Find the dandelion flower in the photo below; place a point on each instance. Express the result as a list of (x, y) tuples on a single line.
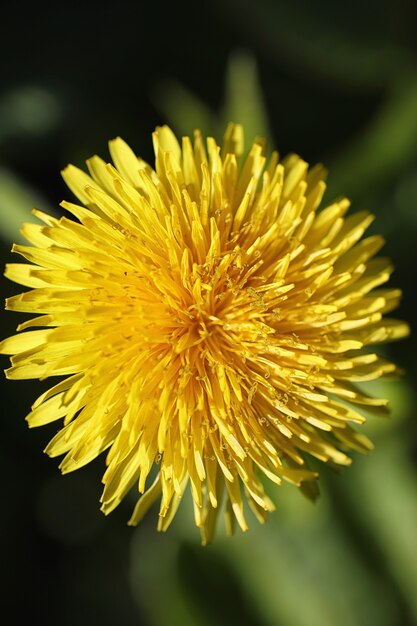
[(209, 324)]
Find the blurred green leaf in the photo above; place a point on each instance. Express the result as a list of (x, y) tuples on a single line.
[(405, 199), (384, 148), (291, 570), (154, 580), (244, 102), (296, 566), (182, 109), (303, 35), (401, 400), (17, 199), (28, 110), (227, 603), (387, 507)]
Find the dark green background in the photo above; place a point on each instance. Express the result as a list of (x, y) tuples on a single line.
[(335, 82)]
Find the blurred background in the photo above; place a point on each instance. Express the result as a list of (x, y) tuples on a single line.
[(335, 82)]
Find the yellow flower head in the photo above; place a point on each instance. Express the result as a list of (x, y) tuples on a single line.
[(209, 323)]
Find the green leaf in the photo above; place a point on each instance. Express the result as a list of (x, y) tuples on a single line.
[(17, 199), (182, 109), (244, 103), (383, 149)]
